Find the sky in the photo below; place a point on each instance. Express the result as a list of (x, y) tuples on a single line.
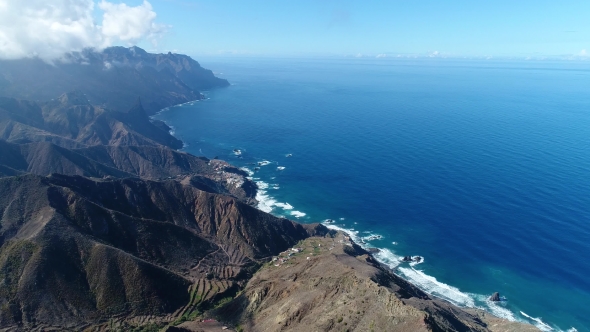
[(451, 28)]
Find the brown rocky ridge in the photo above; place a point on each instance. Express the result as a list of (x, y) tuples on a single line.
[(330, 284), (75, 251)]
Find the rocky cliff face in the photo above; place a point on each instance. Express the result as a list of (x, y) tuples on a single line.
[(181, 66)]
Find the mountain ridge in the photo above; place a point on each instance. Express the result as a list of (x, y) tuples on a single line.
[(113, 78), (105, 226), (164, 229), (72, 122)]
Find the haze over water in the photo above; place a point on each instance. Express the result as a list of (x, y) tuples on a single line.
[(481, 167)]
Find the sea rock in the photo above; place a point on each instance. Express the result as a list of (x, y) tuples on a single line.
[(495, 297), (407, 259)]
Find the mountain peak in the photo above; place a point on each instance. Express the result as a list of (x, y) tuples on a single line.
[(137, 50), (75, 97)]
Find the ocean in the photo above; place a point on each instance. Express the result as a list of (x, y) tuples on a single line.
[(481, 167)]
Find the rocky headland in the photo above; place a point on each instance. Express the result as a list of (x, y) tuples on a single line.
[(106, 226)]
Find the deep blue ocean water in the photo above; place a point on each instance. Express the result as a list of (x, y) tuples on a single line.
[(480, 167)]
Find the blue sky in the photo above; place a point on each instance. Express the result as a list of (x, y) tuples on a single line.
[(327, 27)]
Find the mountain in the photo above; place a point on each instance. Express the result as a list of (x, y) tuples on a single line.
[(182, 66), (75, 251), (71, 121), (105, 226), (113, 78), (45, 158), (147, 162)]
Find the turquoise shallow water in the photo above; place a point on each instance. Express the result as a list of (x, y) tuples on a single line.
[(482, 168)]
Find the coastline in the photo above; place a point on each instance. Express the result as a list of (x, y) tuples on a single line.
[(392, 262)]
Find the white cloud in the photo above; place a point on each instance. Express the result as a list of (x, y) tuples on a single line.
[(129, 24), (382, 55), (48, 29), (583, 53)]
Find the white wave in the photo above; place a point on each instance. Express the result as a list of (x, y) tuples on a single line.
[(280, 168), (353, 234), (384, 256), (247, 170), (298, 214), (539, 323), (372, 237), (284, 206), (437, 288), (276, 187), (387, 257), (414, 262), (264, 163), (495, 308), (342, 218), (265, 202)]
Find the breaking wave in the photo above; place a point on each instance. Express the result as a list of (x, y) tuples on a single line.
[(268, 203)]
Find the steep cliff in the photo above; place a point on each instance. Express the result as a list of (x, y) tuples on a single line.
[(113, 78)]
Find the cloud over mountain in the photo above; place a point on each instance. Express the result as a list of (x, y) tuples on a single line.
[(48, 29)]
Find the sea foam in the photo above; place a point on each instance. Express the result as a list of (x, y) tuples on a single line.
[(298, 214), (430, 285), (268, 203), (540, 324), (285, 206)]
